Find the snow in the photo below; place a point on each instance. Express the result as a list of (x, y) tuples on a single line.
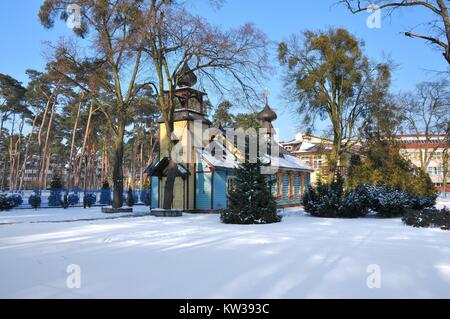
[(223, 157), (306, 146), (443, 201), (291, 162), (195, 256)]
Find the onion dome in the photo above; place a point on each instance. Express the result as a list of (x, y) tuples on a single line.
[(186, 77), (267, 115)]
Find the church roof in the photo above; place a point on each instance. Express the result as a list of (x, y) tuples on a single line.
[(188, 115), (290, 162), (187, 78), (223, 158), (218, 156), (159, 168), (267, 114)]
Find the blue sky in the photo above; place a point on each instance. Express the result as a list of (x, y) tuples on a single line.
[(23, 39)]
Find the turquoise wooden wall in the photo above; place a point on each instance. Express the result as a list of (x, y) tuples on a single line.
[(285, 200), (203, 191), (307, 181), (220, 190), (155, 187)]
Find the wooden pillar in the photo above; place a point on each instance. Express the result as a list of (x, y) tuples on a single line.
[(184, 193), (159, 191), (213, 171)]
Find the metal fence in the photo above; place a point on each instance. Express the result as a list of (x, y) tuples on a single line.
[(75, 197)]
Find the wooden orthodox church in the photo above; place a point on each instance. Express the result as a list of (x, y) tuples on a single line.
[(206, 173)]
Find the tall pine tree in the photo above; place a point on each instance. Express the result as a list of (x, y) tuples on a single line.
[(251, 202)]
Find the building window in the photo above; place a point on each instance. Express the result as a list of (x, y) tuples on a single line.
[(435, 171), (306, 159), (231, 184), (317, 164)]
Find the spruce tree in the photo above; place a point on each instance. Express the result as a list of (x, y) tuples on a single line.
[(252, 201)]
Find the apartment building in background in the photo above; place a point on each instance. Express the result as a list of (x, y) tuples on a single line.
[(315, 151), (419, 148)]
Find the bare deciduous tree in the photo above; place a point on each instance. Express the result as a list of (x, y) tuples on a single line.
[(117, 32), (438, 33), (426, 112), (231, 61)]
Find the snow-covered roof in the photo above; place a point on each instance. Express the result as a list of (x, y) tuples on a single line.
[(224, 158), (158, 168), (306, 146), (289, 162)]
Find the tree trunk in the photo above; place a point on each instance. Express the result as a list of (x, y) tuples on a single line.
[(44, 168), (47, 167), (72, 143), (334, 160), (27, 147), (445, 170), (83, 148), (44, 118), (141, 163), (3, 186), (2, 122), (11, 154), (170, 183), (117, 174), (16, 160)]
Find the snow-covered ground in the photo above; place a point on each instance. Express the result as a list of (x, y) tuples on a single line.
[(443, 201), (135, 256)]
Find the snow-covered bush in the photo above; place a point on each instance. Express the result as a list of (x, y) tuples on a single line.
[(355, 203), (6, 203), (331, 201), (73, 199), (55, 198), (90, 199), (428, 218), (17, 199), (252, 201), (322, 201), (419, 202), (35, 201), (388, 202)]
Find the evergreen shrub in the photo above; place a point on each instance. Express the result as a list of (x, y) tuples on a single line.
[(252, 201), (6, 202), (430, 217)]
